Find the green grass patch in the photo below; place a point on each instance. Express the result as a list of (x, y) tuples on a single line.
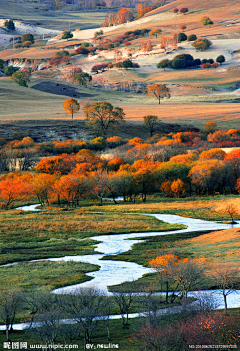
[(45, 273), (25, 236)]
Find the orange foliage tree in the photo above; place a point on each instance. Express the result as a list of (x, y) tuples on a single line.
[(178, 188), (71, 106), (160, 91), (13, 187)]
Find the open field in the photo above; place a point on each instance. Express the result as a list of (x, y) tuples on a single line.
[(24, 103)]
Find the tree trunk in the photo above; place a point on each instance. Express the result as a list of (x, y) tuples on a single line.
[(225, 301)]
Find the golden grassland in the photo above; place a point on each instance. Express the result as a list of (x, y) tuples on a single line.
[(208, 208)]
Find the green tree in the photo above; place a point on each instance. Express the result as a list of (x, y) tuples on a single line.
[(163, 64), (27, 37), (83, 78), (1, 64), (102, 116), (66, 34), (127, 64), (220, 59), (150, 122), (71, 106), (21, 77), (9, 25), (9, 70)]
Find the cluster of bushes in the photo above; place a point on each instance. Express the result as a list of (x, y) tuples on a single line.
[(125, 39), (182, 10), (186, 61), (82, 50)]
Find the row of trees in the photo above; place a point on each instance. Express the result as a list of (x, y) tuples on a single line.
[(182, 61), (68, 178)]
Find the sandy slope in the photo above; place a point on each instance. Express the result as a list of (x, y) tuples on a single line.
[(23, 28)]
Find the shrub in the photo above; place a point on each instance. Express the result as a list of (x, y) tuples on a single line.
[(81, 51), (204, 61), (206, 21), (176, 10), (62, 53), (17, 46), (184, 10), (27, 37), (206, 65), (202, 44), (220, 59), (215, 65), (182, 27), (192, 37), (181, 37), (26, 44)]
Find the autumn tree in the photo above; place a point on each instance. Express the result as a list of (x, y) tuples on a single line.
[(150, 122), (160, 91), (210, 127), (164, 266), (202, 44), (155, 32), (71, 106), (178, 188), (102, 116)]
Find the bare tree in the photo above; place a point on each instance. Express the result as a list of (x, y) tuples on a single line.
[(225, 278), (124, 301), (10, 303), (85, 307)]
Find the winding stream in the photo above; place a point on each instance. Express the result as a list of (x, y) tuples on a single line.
[(116, 272)]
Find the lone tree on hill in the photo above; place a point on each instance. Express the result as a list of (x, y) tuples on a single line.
[(160, 91), (102, 116), (71, 106)]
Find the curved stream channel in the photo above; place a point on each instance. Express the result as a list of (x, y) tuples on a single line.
[(116, 272)]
